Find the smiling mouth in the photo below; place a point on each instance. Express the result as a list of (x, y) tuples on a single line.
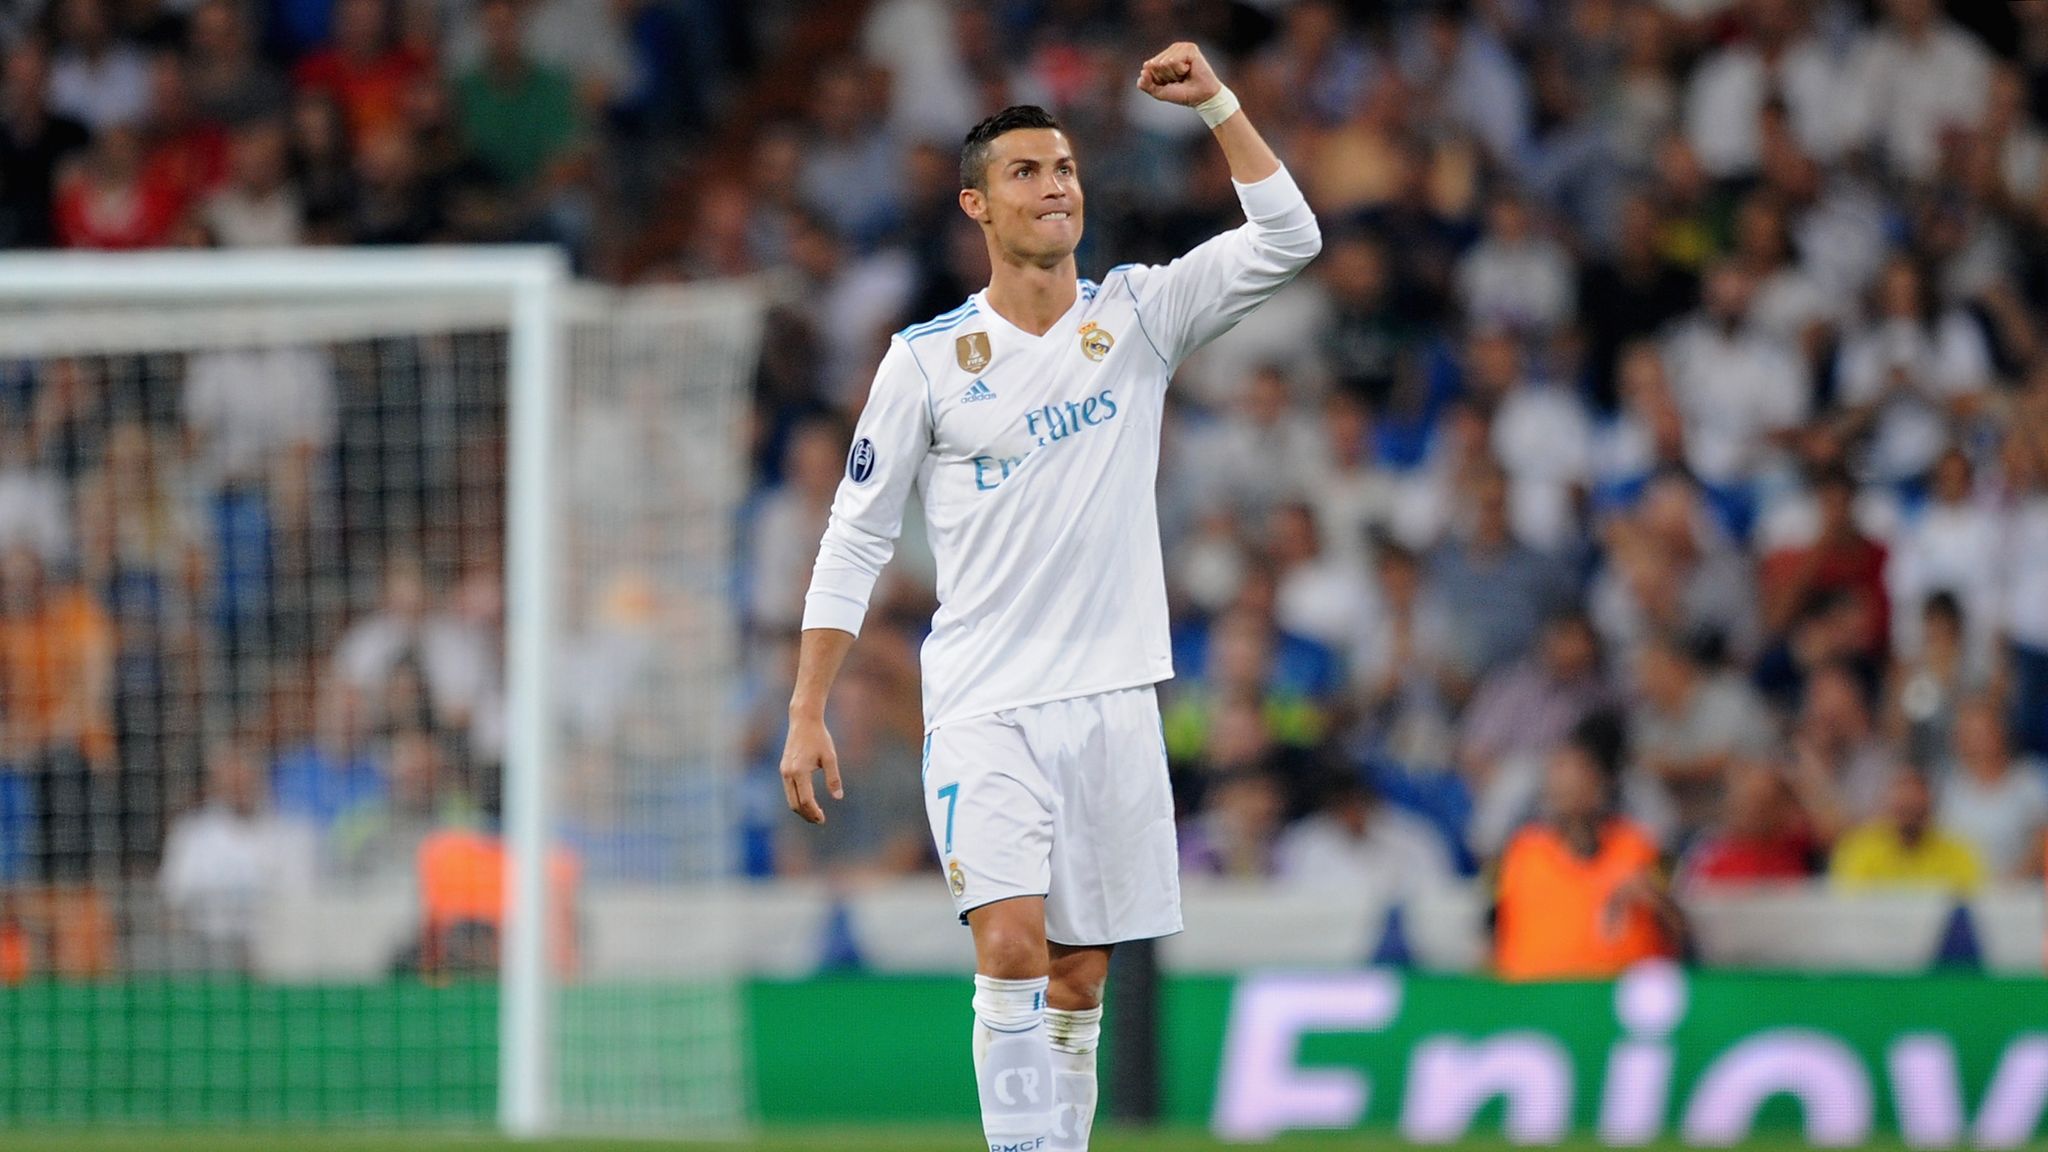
[(1054, 216)]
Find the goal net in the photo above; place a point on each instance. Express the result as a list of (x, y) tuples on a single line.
[(366, 646)]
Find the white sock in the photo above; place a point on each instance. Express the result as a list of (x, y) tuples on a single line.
[(1074, 1038), (1013, 1064)]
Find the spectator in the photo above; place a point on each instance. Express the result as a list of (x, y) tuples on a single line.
[(36, 141), (226, 858), (1911, 373), (1839, 559), (788, 521), (1691, 722), (519, 115), (1241, 659), (1355, 839), (1760, 838), (363, 68), (187, 151), (851, 166), (1579, 895), (2024, 575), (1780, 59), (321, 165), (1673, 569), (32, 498), (1990, 799), (1497, 590), (1628, 297), (1789, 305), (1265, 452), (1370, 333), (1355, 499), (1915, 75), (1904, 848), (1540, 435), (1405, 669), (1927, 686), (1320, 596), (1939, 549), (453, 655), (113, 200), (259, 207), (379, 838), (95, 78), (331, 772), (1233, 837), (1525, 709), (580, 39), (1516, 277), (247, 409), (1843, 764), (230, 83), (1740, 389)]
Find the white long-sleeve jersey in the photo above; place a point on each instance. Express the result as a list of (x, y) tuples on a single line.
[(1036, 457)]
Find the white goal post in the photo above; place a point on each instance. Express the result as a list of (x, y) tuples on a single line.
[(55, 304)]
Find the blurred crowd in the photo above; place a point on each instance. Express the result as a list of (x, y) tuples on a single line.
[(1654, 463), (1655, 458)]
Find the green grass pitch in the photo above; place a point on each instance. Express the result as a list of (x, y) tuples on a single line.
[(790, 1140)]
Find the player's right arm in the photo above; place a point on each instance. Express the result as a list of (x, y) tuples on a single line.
[(889, 446)]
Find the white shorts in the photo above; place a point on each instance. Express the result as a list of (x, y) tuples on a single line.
[(1068, 800)]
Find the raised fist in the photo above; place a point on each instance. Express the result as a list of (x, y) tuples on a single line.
[(1179, 75)]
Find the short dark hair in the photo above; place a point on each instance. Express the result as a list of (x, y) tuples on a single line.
[(974, 150)]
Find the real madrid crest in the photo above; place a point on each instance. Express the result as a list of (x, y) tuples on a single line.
[(972, 351), (956, 878), (1095, 343)]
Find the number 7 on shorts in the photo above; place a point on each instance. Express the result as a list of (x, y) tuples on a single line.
[(951, 795)]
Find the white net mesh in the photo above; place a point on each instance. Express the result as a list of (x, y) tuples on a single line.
[(252, 707)]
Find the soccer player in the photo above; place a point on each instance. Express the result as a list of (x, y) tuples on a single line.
[(1029, 417)]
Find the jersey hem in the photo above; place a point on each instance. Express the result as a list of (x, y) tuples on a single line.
[(1148, 679)]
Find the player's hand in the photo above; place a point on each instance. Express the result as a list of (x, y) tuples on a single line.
[(807, 751), (1179, 75)]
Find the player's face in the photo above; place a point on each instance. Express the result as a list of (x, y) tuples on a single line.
[(1032, 205)]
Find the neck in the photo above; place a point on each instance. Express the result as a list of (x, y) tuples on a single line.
[(1032, 296)]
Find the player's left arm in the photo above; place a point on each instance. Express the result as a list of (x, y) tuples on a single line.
[(1203, 294)]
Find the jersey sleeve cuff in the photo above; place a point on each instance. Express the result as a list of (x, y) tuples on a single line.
[(825, 609), (1272, 198)]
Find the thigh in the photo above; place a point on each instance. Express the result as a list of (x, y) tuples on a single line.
[(1115, 859), (990, 809)]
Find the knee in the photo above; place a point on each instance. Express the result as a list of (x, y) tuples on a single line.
[(1071, 991), (1009, 953), (1010, 945)]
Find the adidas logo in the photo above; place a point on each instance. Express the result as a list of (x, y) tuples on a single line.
[(977, 391)]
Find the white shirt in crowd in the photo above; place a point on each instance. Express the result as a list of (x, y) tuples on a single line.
[(220, 866), (1736, 390), (2003, 821), (1943, 547), (249, 404), (1907, 92), (1399, 852), (1544, 439), (1726, 99), (1937, 365), (1530, 285), (108, 92), (1036, 457), (2026, 573)]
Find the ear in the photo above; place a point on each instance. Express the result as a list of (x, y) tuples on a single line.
[(974, 202)]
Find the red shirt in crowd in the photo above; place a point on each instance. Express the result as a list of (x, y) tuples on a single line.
[(371, 92)]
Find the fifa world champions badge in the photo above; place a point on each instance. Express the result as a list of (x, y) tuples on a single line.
[(972, 351), (1095, 342)]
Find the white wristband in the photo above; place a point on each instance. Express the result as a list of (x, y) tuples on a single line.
[(1218, 108)]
